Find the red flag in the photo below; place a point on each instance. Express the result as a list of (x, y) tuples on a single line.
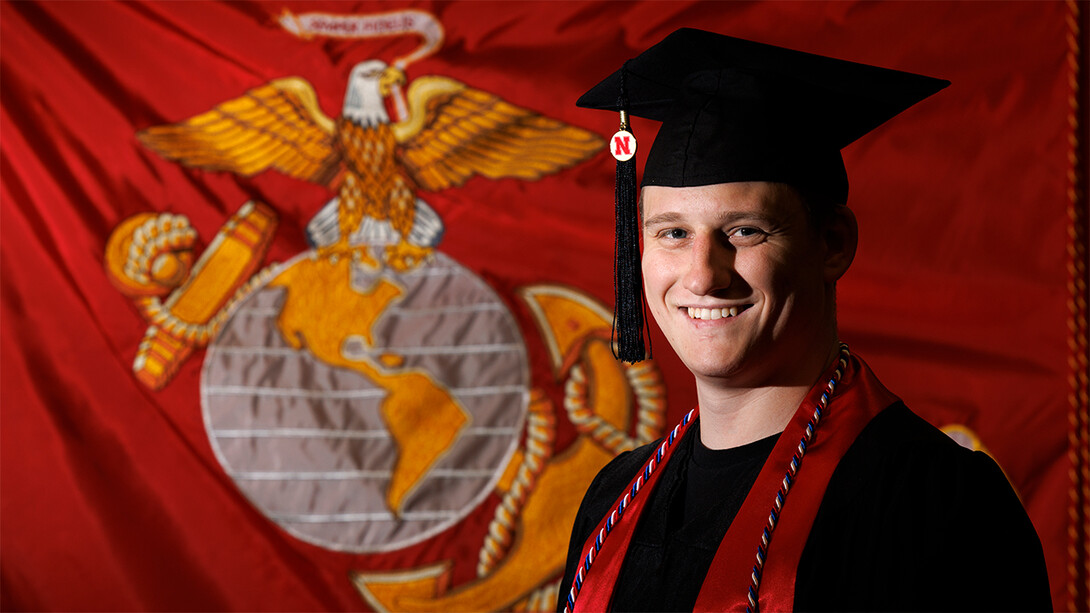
[(306, 305)]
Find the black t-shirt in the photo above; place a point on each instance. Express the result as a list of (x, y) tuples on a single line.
[(714, 472), (679, 538), (910, 521)]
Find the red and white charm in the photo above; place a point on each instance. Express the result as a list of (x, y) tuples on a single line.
[(622, 145)]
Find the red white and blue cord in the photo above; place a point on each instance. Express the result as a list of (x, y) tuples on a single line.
[(773, 517), (789, 479), (618, 512)]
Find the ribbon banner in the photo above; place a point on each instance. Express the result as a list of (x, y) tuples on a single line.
[(309, 25), (307, 307)]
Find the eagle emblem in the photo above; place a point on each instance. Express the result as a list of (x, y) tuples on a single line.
[(448, 133), (443, 411)]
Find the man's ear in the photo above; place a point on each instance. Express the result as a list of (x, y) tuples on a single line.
[(841, 236)]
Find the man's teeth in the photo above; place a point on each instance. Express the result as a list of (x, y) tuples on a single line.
[(696, 313)]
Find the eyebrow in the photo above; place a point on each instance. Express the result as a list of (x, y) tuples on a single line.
[(662, 218), (671, 217)]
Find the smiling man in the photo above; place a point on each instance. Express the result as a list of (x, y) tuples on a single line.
[(799, 482)]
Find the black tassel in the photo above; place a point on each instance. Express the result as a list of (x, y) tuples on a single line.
[(628, 315)]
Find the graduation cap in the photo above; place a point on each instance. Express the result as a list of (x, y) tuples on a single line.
[(736, 110)]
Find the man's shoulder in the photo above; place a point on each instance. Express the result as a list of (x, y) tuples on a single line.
[(897, 429), (900, 455), (904, 473), (619, 471), (912, 518), (614, 478), (902, 442)]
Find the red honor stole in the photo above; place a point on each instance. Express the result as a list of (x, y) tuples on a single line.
[(858, 397)]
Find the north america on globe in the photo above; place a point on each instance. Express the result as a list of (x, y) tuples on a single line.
[(322, 313)]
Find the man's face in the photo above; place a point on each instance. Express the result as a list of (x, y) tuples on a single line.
[(736, 279)]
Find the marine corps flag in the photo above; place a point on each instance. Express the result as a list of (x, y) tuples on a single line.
[(307, 305)]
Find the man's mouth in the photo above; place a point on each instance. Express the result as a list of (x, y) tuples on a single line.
[(699, 313)]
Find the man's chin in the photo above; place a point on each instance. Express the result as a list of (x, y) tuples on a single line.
[(718, 370)]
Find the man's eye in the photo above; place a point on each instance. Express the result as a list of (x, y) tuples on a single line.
[(747, 233), (674, 233)]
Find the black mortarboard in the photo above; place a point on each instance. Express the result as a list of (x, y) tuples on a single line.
[(737, 110)]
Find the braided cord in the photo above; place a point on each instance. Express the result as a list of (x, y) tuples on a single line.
[(1078, 529), (618, 512), (645, 381), (777, 505), (539, 445), (789, 478)]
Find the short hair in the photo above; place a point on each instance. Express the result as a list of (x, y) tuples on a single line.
[(819, 206)]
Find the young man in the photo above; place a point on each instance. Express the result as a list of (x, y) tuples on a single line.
[(800, 482)]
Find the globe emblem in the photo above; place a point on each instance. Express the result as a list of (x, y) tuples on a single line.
[(366, 410)]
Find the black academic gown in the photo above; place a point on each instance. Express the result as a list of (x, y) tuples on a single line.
[(910, 521)]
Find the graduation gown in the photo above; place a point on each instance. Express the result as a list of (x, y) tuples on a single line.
[(910, 521)]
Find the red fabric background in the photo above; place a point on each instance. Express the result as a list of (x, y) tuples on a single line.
[(111, 496)]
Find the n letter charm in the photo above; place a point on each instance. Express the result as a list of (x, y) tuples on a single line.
[(623, 145)]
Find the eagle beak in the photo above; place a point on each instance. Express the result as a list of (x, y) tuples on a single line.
[(389, 85), (391, 80)]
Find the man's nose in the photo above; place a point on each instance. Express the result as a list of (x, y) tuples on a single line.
[(711, 265)]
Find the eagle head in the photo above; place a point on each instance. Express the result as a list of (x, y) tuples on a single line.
[(368, 84)]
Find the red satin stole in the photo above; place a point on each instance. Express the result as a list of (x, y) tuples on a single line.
[(858, 397)]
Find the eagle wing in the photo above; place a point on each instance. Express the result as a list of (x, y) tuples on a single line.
[(454, 132), (278, 125)]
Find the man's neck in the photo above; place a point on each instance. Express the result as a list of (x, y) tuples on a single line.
[(731, 416)]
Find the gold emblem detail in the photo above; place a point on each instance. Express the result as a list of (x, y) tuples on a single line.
[(150, 259), (520, 560), (375, 166)]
